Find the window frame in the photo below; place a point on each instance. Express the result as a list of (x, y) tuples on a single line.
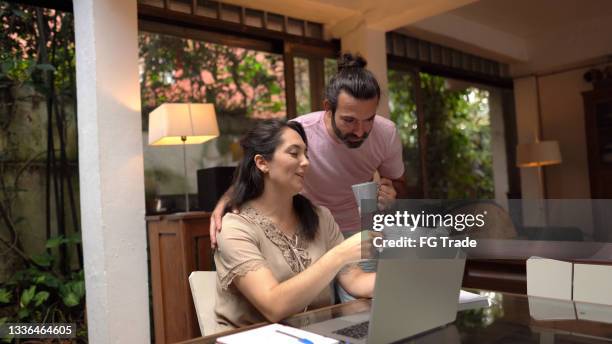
[(503, 275), (164, 21), (316, 63), (505, 84)]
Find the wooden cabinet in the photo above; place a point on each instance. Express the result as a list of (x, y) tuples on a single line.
[(178, 245), (598, 120)]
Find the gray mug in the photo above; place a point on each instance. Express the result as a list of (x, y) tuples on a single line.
[(366, 191)]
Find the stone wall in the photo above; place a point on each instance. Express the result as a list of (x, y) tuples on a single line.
[(23, 171)]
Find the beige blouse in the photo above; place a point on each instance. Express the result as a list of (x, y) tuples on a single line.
[(249, 241)]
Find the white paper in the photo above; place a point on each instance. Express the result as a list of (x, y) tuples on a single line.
[(269, 335), (469, 300)]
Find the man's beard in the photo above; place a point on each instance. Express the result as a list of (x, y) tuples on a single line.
[(350, 140)]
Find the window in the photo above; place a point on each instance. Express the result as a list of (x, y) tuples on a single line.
[(312, 74), (240, 82), (244, 84), (402, 106), (251, 64), (330, 68), (302, 85), (459, 158), (456, 159)]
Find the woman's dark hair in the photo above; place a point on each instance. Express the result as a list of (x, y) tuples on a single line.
[(248, 184), (354, 79)]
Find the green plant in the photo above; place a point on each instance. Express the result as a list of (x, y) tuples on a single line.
[(37, 72), (459, 153), (457, 130), (37, 67), (40, 293), (242, 83), (482, 317)]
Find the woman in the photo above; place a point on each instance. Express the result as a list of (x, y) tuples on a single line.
[(278, 256)]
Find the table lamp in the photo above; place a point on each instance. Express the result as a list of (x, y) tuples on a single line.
[(539, 154), (182, 124)]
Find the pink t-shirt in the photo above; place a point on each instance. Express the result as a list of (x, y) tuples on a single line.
[(334, 167)]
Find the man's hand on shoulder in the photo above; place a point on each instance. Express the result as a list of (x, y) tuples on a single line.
[(215, 218)]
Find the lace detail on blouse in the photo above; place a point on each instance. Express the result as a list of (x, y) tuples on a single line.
[(296, 256), (241, 270)]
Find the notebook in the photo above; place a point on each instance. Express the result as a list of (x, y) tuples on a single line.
[(270, 335)]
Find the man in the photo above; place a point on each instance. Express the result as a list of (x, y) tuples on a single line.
[(347, 144)]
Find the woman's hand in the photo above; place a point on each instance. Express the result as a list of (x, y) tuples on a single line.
[(356, 247), (278, 300)]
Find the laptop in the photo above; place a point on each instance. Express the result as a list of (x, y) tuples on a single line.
[(411, 296)]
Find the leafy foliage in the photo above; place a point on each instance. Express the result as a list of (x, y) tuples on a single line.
[(457, 130), (38, 294), (459, 134), (37, 67), (24, 61), (241, 83), (403, 112), (244, 85)]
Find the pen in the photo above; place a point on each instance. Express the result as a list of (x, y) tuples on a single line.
[(301, 340)]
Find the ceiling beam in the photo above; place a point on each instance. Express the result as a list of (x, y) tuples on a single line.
[(459, 33), (344, 26), (314, 10), (388, 15), (396, 16)]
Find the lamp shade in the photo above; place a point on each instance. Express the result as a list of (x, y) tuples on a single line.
[(539, 153), (170, 122)]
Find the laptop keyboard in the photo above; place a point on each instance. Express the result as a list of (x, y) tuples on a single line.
[(356, 331)]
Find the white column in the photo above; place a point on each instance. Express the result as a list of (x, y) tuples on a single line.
[(371, 44), (111, 171), (528, 127)]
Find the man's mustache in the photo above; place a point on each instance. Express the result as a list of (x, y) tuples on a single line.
[(355, 137)]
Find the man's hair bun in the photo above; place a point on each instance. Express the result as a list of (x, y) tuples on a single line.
[(348, 61), (352, 78)]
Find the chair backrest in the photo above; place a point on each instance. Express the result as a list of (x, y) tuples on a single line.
[(592, 283), (203, 290), (549, 278)]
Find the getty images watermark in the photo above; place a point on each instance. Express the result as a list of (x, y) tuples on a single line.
[(428, 229), (486, 229)]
